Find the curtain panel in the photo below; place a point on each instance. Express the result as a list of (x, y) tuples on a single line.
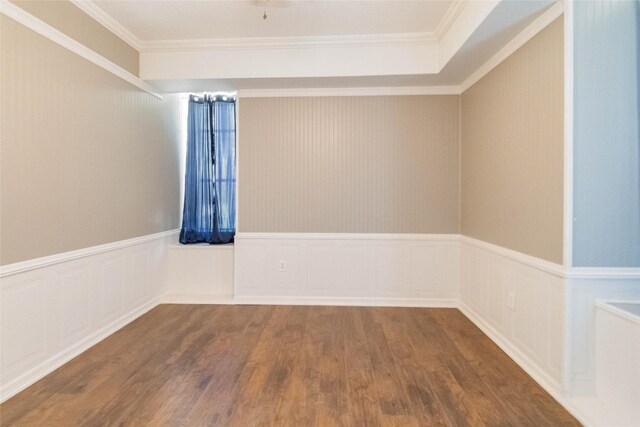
[(210, 179)]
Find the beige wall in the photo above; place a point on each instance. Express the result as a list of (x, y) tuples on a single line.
[(512, 150), (86, 158), (349, 164), (69, 19)]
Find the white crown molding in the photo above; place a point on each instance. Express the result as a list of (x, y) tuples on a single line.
[(347, 236), (516, 43), (21, 16), (36, 263), (106, 20), (402, 39), (244, 43), (449, 18), (97, 13), (349, 91)]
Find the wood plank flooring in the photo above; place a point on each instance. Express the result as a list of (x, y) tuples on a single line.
[(198, 365)]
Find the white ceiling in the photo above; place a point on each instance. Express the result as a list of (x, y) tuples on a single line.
[(496, 31), (153, 20), (209, 45)]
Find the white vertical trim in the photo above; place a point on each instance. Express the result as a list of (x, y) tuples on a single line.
[(237, 161), (460, 163), (567, 255), (235, 258), (568, 136), (21, 16), (184, 134)]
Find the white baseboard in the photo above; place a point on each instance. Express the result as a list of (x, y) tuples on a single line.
[(531, 368), (345, 301), (197, 299), (46, 367), (320, 301)]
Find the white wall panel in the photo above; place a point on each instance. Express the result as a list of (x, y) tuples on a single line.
[(199, 273), (53, 311), (347, 268), (532, 333), (582, 308)]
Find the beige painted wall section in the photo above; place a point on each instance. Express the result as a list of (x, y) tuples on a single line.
[(68, 18), (512, 150), (85, 158), (349, 164)]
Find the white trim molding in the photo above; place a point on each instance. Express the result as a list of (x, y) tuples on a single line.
[(97, 13), (347, 236), (279, 43), (349, 91), (197, 299), (449, 18), (538, 263), (23, 17), (36, 263), (516, 43), (106, 20), (602, 273), (567, 222), (448, 34), (351, 302)]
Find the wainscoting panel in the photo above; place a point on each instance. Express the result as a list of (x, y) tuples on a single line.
[(518, 301), (200, 274), (394, 269), (56, 307), (585, 292)]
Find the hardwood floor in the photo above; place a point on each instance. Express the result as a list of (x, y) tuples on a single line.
[(196, 365)]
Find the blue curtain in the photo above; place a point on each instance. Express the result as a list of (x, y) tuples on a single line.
[(210, 181)]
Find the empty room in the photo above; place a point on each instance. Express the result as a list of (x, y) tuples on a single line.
[(320, 213)]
